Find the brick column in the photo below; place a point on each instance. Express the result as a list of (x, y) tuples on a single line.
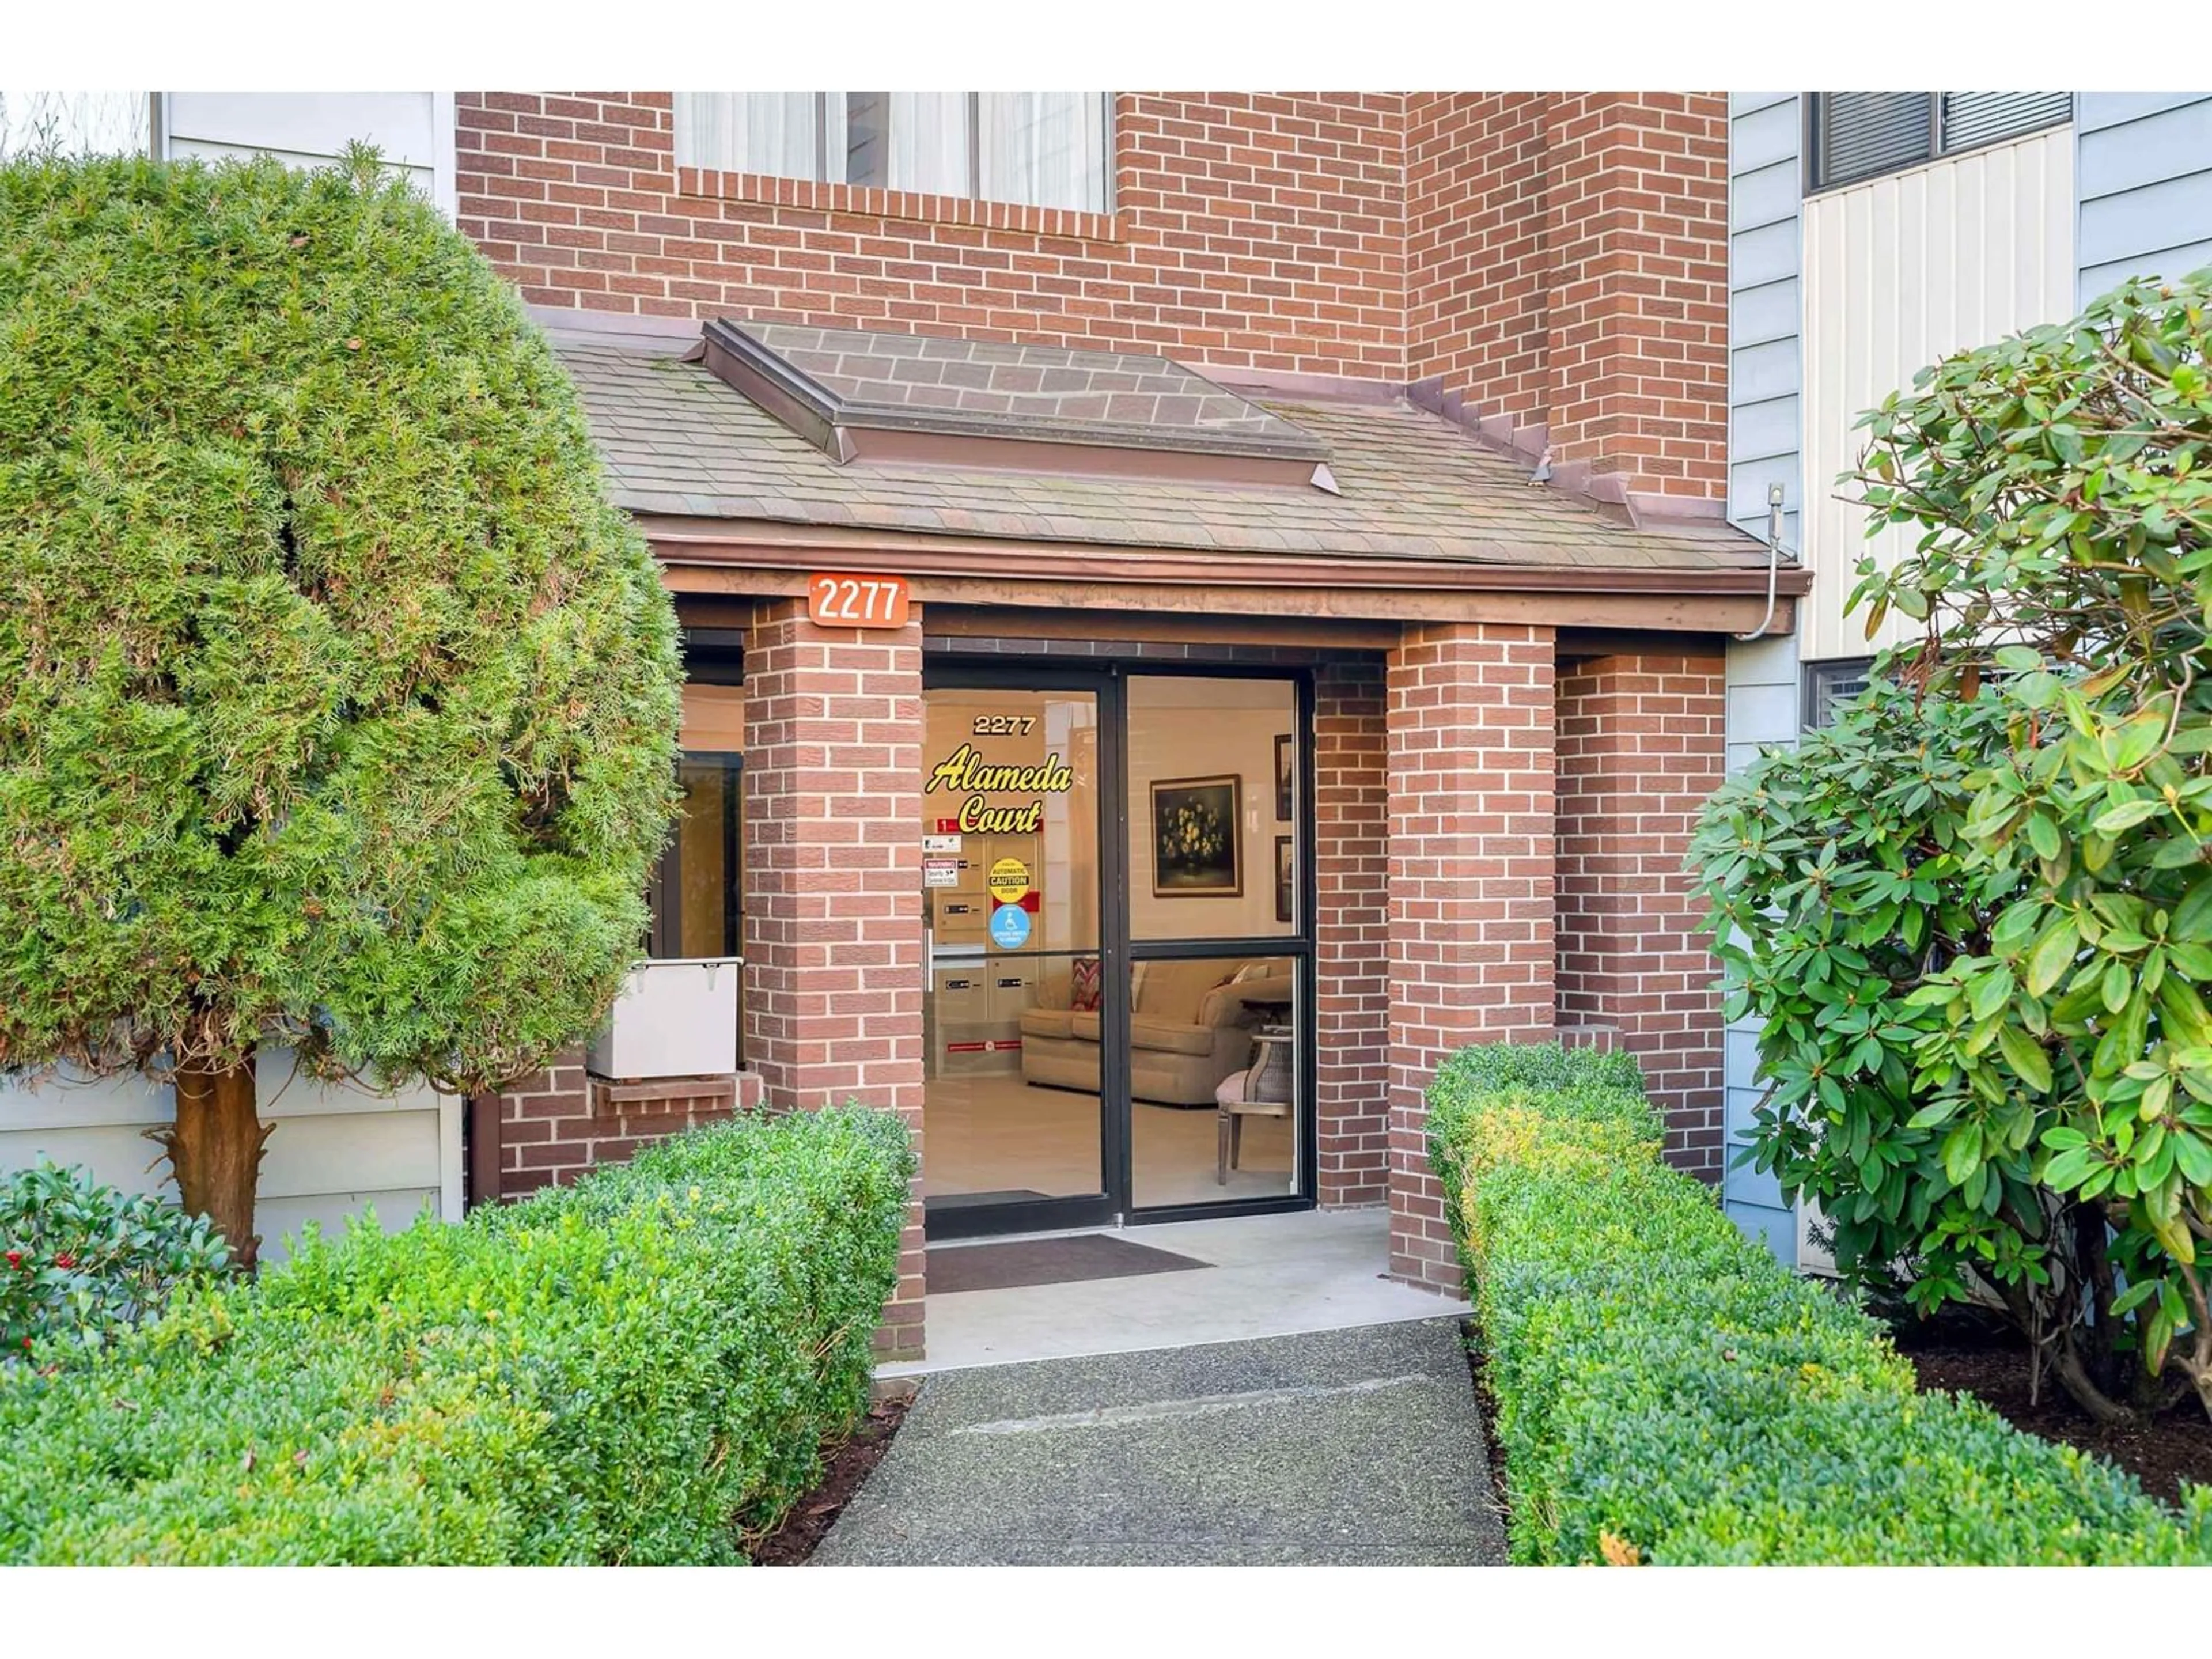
[(1640, 749), (1469, 727), (1352, 968), (833, 907)]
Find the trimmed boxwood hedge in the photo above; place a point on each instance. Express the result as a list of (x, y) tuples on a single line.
[(1665, 1391), (639, 1369)]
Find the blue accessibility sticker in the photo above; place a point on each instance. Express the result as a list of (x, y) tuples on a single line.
[(1010, 928)]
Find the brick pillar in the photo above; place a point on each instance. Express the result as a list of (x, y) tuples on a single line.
[(1470, 725), (1352, 968), (1640, 749), (832, 907)]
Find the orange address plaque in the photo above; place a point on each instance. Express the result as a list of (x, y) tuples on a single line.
[(856, 601)]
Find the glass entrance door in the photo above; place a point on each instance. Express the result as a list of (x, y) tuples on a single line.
[(1118, 900), (1219, 947), (1015, 863)]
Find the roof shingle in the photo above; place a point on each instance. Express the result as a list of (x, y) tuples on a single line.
[(676, 440)]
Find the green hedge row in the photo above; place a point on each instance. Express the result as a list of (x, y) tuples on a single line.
[(1664, 1390), (639, 1369)]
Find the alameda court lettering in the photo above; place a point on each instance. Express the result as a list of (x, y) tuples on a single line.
[(965, 772)]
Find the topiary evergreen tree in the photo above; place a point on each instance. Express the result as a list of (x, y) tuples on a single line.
[(338, 705)]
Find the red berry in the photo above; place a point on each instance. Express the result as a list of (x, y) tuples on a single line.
[(65, 1260), (14, 1258)]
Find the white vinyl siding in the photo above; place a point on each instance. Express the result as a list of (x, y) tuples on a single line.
[(413, 129), (1901, 272), (336, 1151)]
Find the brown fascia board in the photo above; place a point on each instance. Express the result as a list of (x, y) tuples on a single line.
[(731, 590), (845, 430), (765, 546)]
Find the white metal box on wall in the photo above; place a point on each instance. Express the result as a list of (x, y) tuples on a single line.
[(673, 1019)]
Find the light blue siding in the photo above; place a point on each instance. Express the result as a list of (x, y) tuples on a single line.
[(1765, 308), (2143, 167), (1762, 712), (1766, 377)]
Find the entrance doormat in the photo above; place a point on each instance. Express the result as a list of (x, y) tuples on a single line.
[(1046, 1261), (971, 1200)]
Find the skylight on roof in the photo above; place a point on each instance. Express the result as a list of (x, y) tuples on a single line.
[(860, 395)]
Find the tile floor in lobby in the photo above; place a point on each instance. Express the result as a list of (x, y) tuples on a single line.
[(998, 1134), (1267, 1275)]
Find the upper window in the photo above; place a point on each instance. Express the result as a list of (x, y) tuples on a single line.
[(1039, 149), (1861, 134)]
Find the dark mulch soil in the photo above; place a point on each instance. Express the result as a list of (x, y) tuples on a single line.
[(1479, 1372), (792, 1544), (1991, 1363)]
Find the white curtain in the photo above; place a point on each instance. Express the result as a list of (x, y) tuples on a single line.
[(914, 140), (1046, 149), (771, 132)]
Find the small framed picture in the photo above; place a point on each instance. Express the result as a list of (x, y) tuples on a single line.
[(1286, 777), (1286, 864)]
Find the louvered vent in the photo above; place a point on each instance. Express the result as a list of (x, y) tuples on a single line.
[(1829, 684), (1971, 118), (1863, 133)]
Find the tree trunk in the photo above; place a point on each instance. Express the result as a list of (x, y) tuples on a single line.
[(2067, 1364), (2082, 1389), (215, 1151)]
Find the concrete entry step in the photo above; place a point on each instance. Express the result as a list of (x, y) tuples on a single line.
[(1348, 1447)]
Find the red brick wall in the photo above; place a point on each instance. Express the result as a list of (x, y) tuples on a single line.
[(1472, 949), (1640, 748), (1636, 214), (833, 919), (1478, 275), (1351, 858), (1566, 258), (556, 1124), (1255, 230)]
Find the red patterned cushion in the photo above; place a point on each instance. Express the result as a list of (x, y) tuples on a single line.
[(1083, 984)]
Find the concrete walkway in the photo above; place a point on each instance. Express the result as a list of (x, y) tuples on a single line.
[(1271, 1275), (1353, 1447)]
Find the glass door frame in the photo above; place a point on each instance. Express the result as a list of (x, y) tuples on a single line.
[(1104, 1208), (1118, 953), (1297, 944)]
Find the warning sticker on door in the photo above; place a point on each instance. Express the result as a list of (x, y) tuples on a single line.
[(940, 873), (1009, 881)]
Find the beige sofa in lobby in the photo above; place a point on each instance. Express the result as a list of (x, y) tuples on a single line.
[(1189, 1028)]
